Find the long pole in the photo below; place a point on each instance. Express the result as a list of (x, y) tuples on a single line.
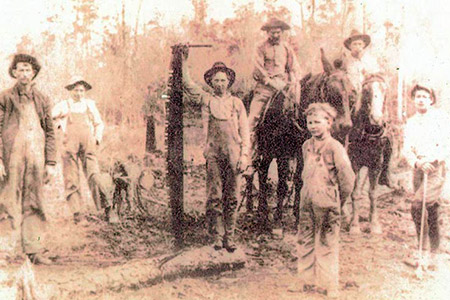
[(175, 145), (175, 165), (422, 222)]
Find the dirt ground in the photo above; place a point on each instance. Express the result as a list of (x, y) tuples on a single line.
[(371, 267)]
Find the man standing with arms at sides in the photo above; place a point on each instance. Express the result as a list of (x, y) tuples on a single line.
[(276, 69), (27, 143), (82, 125)]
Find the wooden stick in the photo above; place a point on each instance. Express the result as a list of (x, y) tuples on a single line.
[(424, 201)]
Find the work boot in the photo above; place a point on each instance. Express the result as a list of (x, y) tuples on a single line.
[(39, 259), (217, 243), (111, 215), (229, 244), (77, 217)]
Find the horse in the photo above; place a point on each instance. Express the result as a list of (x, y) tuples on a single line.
[(281, 133), (278, 136), (369, 147), (333, 87)]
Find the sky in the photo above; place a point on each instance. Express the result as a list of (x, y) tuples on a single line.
[(423, 25)]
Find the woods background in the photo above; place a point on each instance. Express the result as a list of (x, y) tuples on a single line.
[(127, 59)]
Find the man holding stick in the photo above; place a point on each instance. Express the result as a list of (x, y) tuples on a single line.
[(426, 145)]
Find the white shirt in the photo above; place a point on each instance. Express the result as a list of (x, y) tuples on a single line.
[(62, 109), (357, 69), (427, 136)]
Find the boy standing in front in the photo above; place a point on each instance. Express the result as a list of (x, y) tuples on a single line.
[(426, 144), (327, 175)]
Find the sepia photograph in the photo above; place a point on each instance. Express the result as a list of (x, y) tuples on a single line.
[(224, 150)]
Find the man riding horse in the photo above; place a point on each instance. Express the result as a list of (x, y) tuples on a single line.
[(360, 67), (276, 70)]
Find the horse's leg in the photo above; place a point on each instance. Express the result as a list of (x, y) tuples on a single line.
[(249, 192), (375, 226), (263, 207), (298, 184), (361, 178), (282, 188)]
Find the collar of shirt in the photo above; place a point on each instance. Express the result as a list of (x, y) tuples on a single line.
[(22, 92)]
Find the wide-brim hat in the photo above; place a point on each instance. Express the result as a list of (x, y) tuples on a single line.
[(356, 35), (219, 67), (24, 58), (426, 88), (275, 23), (77, 79)]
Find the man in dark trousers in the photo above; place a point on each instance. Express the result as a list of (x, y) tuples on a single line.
[(27, 143)]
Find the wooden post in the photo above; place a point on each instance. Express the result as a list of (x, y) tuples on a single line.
[(175, 145), (150, 136)]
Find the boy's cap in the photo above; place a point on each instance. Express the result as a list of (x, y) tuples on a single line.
[(323, 107)]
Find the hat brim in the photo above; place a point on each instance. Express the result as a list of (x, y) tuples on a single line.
[(282, 26), (73, 85), (231, 75), (364, 37)]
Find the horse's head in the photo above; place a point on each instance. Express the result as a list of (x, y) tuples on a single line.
[(370, 109), (341, 92)]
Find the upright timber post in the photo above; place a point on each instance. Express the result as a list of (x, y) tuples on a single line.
[(175, 166), (175, 144)]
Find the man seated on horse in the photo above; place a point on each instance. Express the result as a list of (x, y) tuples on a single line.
[(357, 63), (426, 144), (226, 150), (361, 67), (276, 70)]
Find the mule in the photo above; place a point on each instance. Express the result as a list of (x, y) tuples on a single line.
[(369, 147), (333, 87)]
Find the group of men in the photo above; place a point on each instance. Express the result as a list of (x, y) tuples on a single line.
[(28, 154), (327, 173), (231, 143)]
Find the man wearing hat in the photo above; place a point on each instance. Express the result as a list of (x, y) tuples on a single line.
[(79, 120), (226, 150), (27, 152), (358, 63), (276, 69), (425, 147)]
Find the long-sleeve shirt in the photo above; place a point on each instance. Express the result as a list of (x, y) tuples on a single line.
[(326, 167), (357, 69), (61, 112), (275, 61), (222, 109), (9, 122), (426, 137)]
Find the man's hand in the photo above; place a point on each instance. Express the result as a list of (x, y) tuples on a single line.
[(277, 84), (50, 173), (426, 167), (2, 171), (242, 163)]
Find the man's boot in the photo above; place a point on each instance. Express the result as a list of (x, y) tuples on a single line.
[(229, 243), (39, 259)]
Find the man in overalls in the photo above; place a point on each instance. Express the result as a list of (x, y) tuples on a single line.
[(27, 151), (80, 121), (226, 150), (276, 70)]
